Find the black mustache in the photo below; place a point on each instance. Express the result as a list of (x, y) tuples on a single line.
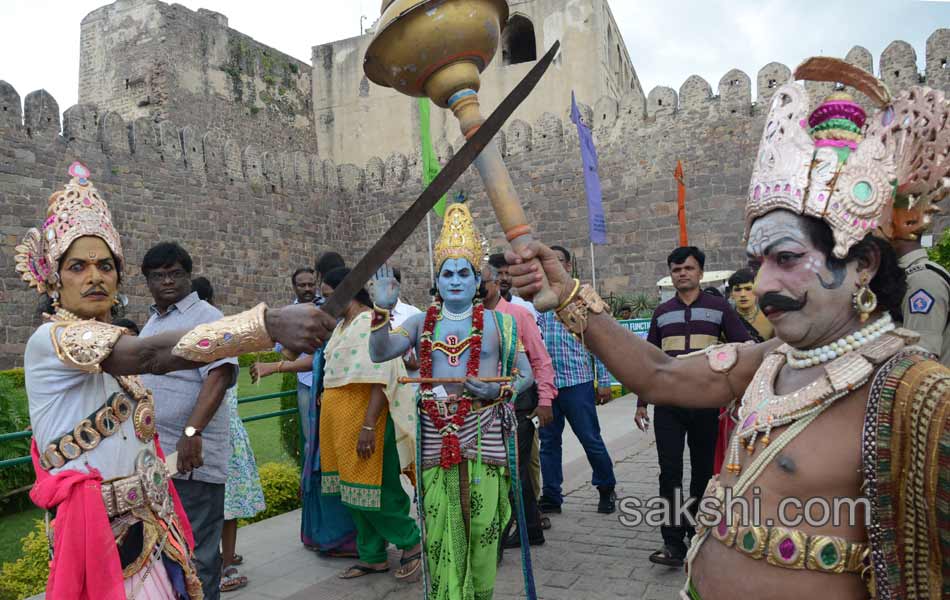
[(775, 301)]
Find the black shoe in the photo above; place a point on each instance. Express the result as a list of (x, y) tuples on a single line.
[(608, 500), (514, 540), (668, 557), (546, 505)]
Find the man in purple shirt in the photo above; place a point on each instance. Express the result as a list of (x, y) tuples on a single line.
[(688, 322)]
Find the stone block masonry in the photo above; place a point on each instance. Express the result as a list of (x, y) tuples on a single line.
[(251, 207)]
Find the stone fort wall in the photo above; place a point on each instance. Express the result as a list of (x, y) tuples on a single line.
[(250, 214)]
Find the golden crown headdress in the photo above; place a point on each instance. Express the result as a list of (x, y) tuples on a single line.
[(75, 211), (459, 237), (860, 175)]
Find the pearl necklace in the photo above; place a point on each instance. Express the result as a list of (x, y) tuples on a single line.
[(462, 316), (803, 359)]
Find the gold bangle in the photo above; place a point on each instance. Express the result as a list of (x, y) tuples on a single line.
[(570, 298), (381, 318), (228, 337), (575, 315), (279, 365)]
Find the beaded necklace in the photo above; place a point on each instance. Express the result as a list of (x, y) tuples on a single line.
[(451, 453)]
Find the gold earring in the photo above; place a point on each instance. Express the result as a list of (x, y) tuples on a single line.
[(55, 297), (864, 300)]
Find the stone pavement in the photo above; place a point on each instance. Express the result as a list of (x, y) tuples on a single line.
[(587, 555)]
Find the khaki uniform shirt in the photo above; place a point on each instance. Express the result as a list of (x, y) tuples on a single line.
[(925, 306)]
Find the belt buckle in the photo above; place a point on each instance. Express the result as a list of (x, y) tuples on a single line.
[(154, 479)]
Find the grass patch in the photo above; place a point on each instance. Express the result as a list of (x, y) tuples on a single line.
[(264, 434), (14, 526)]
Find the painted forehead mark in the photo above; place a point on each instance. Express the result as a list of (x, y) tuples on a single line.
[(769, 234)]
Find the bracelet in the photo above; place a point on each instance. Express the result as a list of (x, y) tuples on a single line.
[(575, 314), (231, 336), (279, 365), (368, 428), (570, 297), (381, 317)]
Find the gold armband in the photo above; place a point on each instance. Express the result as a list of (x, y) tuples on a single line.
[(575, 311), (225, 338), (84, 344)]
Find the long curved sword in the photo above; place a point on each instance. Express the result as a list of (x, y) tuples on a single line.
[(390, 241)]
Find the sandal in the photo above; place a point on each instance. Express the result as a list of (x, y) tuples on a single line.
[(336, 553), (360, 571), (417, 558), (232, 580), (664, 557), (545, 523), (237, 559)]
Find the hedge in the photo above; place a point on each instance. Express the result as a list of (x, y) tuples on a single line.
[(14, 416), (27, 575), (281, 483)]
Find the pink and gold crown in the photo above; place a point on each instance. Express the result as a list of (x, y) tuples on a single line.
[(459, 237), (859, 174), (75, 211)]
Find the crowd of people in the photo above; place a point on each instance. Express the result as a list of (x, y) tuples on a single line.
[(824, 375)]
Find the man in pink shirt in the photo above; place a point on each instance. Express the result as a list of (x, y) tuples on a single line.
[(535, 402)]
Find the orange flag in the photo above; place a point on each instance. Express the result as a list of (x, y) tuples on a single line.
[(681, 203)]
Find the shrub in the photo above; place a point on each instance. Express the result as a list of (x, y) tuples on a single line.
[(14, 416), (940, 253), (281, 483), (290, 424), (27, 575)]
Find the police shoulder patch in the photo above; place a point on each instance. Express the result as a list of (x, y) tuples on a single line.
[(920, 302)]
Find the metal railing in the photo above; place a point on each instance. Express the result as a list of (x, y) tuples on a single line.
[(18, 435)]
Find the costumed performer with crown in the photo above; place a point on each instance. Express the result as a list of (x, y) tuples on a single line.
[(466, 441), (119, 529), (842, 410)]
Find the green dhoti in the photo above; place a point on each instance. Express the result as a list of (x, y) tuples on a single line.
[(462, 555)]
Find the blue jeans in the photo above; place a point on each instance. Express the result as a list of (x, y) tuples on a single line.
[(576, 404), (304, 405)]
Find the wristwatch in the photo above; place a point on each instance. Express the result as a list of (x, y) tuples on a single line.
[(191, 432)]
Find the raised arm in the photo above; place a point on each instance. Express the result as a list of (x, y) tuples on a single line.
[(299, 327), (689, 382), (385, 343)]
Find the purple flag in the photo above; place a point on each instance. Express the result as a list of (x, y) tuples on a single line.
[(595, 206)]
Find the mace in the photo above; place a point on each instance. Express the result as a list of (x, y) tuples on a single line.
[(437, 49)]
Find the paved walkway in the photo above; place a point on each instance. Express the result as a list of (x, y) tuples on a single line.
[(587, 555)]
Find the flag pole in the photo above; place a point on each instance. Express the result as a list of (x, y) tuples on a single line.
[(593, 268)]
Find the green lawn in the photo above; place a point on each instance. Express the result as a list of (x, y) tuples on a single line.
[(264, 434), (265, 441), (13, 527)]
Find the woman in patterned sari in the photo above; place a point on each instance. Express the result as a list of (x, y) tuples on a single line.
[(365, 415)]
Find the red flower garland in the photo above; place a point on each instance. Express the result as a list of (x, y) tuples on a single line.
[(451, 454)]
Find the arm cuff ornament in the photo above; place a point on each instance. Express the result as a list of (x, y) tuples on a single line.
[(84, 344), (574, 313), (225, 338), (381, 318)]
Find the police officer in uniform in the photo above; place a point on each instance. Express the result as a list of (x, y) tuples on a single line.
[(928, 284)]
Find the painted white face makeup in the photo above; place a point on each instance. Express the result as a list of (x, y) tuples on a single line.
[(806, 296)]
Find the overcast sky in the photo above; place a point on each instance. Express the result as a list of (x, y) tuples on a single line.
[(668, 40)]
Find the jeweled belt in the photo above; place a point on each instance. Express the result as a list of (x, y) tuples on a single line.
[(449, 405), (793, 549), (147, 487), (103, 423)]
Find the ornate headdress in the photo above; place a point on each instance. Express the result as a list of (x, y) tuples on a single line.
[(860, 175), (74, 212), (459, 237)]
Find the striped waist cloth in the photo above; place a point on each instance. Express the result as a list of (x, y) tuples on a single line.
[(494, 420)]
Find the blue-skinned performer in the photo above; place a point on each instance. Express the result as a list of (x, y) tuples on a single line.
[(466, 430)]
